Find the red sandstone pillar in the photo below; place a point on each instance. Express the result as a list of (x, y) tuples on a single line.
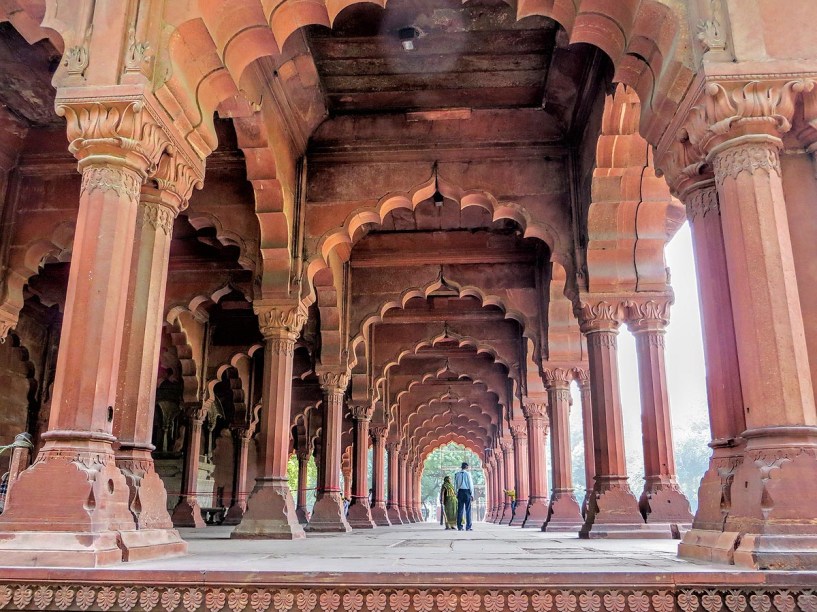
[(379, 511), (489, 486), (613, 510), (499, 461), (583, 377), (303, 485), (519, 431), (410, 510), (565, 514), (360, 516), (241, 438), (779, 523), (139, 361), (727, 422), (270, 508), (83, 524), (187, 512), (403, 487), (510, 480), (393, 509), (662, 501), (327, 514), (496, 487), (536, 415)]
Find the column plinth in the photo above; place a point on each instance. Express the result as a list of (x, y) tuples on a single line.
[(538, 502), (565, 513), (270, 512), (612, 511), (327, 513), (519, 431), (380, 514), (359, 515)]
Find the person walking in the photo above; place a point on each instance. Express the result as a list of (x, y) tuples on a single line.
[(465, 493), (449, 503)]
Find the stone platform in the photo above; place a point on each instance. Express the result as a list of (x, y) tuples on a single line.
[(413, 568)]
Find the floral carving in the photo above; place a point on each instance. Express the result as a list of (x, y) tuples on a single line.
[(494, 601), (423, 601), (688, 601), (127, 598), (702, 202), (663, 602), (614, 601), (760, 602), (362, 412), (710, 31), (334, 382), (236, 600), (735, 601), (565, 601), (280, 320), (106, 598), (42, 597), (601, 315), (748, 157), (191, 600), (470, 601), (447, 601), (638, 602), (105, 178), (542, 601), (589, 602), (306, 601), (807, 602), (712, 601), (85, 597), (63, 598), (399, 601), (784, 602), (157, 216), (517, 601), (376, 601), (176, 175)]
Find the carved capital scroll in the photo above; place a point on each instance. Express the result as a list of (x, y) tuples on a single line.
[(558, 377), (534, 411), (334, 382), (648, 314), (599, 315), (362, 412)]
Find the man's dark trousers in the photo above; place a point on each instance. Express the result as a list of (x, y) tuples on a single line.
[(464, 505)]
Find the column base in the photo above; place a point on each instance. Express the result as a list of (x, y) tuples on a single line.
[(565, 515), (270, 513), (302, 514), (148, 497), (82, 525), (613, 513), (234, 515), (521, 513), (505, 518), (538, 510), (665, 503), (709, 545), (327, 515), (148, 544), (409, 516), (380, 515), (394, 515), (359, 515), (187, 513), (777, 552)]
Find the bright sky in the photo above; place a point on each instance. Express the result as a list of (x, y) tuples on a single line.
[(686, 376)]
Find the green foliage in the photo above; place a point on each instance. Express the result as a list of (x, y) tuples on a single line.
[(445, 461)]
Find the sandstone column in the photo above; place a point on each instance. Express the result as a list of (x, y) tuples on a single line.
[(117, 144), (393, 509), (779, 522), (379, 511), (360, 516), (519, 431), (411, 501), (303, 485), (327, 514), (20, 459), (613, 510), (583, 379), (242, 436), (727, 422), (662, 501), (565, 514), (499, 474), (403, 488), (159, 204), (490, 486), (187, 512), (510, 479), (270, 508), (538, 504)]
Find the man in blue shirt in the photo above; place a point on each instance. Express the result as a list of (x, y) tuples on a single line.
[(465, 493)]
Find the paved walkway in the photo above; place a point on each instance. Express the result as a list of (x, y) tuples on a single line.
[(428, 548)]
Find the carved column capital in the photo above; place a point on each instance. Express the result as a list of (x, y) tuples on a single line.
[(535, 412), (599, 315), (507, 447), (735, 114), (378, 432), (701, 199), (178, 177), (196, 411), (393, 446), (334, 382), (558, 377), (362, 412), (519, 431), (648, 314), (303, 454), (280, 322), (582, 377)]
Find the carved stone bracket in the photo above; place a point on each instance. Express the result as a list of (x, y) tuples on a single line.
[(519, 431), (558, 376), (534, 411), (334, 382), (599, 314), (378, 432)]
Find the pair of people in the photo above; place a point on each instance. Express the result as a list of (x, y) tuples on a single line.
[(455, 499)]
